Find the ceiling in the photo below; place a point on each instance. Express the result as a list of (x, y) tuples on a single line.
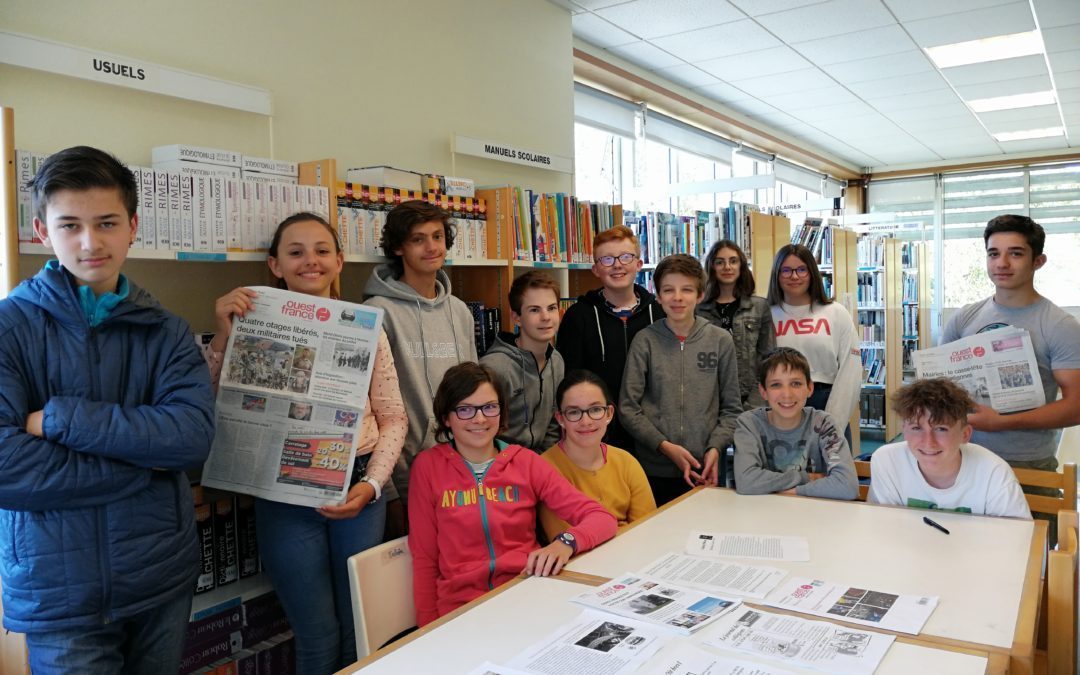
[(851, 76)]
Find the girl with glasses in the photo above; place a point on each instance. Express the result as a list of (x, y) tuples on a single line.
[(808, 320), (473, 502), (731, 304), (608, 474)]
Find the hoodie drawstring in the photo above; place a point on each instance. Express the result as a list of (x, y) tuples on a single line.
[(603, 352)]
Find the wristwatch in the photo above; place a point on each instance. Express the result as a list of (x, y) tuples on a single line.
[(569, 540), (375, 485)]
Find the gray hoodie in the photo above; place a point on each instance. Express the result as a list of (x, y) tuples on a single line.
[(529, 391), (685, 393), (427, 337)]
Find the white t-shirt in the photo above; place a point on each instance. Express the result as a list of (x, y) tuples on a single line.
[(986, 485)]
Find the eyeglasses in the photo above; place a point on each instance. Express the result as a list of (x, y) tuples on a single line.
[(609, 260), (467, 412), (788, 272), (720, 262), (597, 412)]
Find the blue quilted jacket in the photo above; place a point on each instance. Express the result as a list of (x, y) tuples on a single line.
[(96, 519)]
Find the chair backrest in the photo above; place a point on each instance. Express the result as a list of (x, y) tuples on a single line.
[(862, 470), (1061, 583), (381, 579), (1065, 480)]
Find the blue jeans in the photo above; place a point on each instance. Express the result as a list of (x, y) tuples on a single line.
[(149, 643), (305, 554)]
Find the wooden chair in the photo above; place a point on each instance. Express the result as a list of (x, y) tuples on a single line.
[(862, 470), (381, 581), (1065, 480), (1061, 584)]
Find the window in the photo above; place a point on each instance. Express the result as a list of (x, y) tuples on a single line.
[(597, 164)]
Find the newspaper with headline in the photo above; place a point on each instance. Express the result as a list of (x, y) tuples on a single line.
[(997, 368), (656, 602), (291, 398)]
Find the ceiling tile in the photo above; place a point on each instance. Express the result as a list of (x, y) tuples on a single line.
[(1067, 80), (827, 19), (968, 148), (950, 109), (780, 120), (996, 71), (784, 83), (937, 125), (596, 31), (759, 7), (904, 84), (1061, 38), (800, 100), (922, 99), (654, 18), (907, 156), (1065, 60), (1047, 113), (854, 155), (1022, 85), (856, 45), (1067, 95), (754, 107), (880, 67), (645, 55), (1054, 13), (755, 64), (716, 41), (723, 92), (913, 10), (963, 26), (1025, 125), (686, 75), (829, 111), (1034, 144), (967, 132)]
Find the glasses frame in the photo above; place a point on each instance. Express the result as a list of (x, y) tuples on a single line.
[(569, 413), (460, 410), (789, 272), (631, 257)]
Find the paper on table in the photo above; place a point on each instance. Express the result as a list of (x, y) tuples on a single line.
[(592, 643), (717, 576), (891, 611), (757, 546), (657, 603), (686, 659), (489, 668), (799, 642)]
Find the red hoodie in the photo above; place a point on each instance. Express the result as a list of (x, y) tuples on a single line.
[(468, 536)]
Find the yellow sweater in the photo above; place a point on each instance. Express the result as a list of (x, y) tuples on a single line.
[(619, 485)]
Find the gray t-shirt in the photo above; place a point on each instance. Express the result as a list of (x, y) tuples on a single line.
[(1055, 336)]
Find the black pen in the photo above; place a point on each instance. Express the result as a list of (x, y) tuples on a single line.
[(934, 525)]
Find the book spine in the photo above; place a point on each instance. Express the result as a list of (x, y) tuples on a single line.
[(24, 162), (203, 213), (204, 526), (225, 563), (148, 227), (187, 213), (176, 214)]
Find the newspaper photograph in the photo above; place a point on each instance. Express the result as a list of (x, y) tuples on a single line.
[(293, 388), (593, 643), (818, 645), (715, 576), (757, 546), (889, 611), (997, 368), (657, 602), (686, 659)]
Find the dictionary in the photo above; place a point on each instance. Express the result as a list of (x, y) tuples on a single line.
[(385, 176), (193, 153)]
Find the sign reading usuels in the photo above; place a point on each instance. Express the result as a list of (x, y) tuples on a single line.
[(88, 64), (467, 145)]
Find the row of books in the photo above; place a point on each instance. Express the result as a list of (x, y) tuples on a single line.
[(664, 234), (227, 540), (486, 322), (529, 225), (362, 210), (911, 319), (870, 288), (871, 326), (252, 637), (873, 362), (816, 235), (872, 408), (911, 288), (908, 256), (910, 347), (870, 251), (195, 213)]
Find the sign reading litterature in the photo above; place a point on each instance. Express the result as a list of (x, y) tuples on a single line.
[(468, 145), (87, 64)]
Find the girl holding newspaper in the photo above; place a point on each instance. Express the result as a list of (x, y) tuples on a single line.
[(303, 549)]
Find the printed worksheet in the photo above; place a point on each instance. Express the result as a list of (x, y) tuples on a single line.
[(880, 609), (757, 546), (717, 576)]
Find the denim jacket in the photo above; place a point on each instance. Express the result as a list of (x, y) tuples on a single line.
[(752, 329)]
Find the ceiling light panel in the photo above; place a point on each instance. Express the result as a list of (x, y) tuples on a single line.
[(1029, 134), (1030, 100), (986, 49)]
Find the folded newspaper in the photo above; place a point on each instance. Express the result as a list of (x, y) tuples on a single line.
[(997, 368), (291, 398), (657, 602)]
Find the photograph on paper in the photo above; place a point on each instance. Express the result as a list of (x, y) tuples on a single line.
[(657, 602), (592, 643), (891, 611)]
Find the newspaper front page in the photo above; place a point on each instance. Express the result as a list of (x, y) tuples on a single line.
[(716, 576), (657, 602), (997, 368), (293, 389), (593, 644), (880, 609)]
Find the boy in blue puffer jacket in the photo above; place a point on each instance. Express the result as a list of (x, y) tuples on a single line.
[(104, 400)]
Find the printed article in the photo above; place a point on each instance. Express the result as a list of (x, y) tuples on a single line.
[(997, 368), (686, 659), (805, 644), (757, 546), (715, 576), (657, 602), (889, 611), (294, 385)]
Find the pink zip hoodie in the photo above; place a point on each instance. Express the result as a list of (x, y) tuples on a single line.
[(468, 536)]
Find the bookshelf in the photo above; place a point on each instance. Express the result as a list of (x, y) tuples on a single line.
[(915, 332), (881, 283)]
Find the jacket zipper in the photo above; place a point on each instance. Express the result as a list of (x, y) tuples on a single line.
[(482, 503), (102, 516)]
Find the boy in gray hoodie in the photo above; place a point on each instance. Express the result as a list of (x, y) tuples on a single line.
[(429, 329), (680, 391), (528, 365)]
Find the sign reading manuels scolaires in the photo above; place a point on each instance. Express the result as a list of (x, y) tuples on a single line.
[(467, 145), (30, 52)]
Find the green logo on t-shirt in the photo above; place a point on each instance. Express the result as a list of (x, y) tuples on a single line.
[(923, 504)]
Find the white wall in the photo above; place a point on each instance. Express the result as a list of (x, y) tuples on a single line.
[(361, 81)]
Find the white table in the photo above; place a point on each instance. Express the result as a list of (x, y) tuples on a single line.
[(508, 620), (986, 572)]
